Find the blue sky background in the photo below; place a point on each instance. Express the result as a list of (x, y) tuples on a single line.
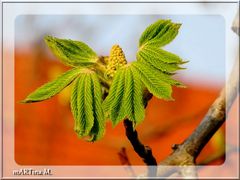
[(201, 39)]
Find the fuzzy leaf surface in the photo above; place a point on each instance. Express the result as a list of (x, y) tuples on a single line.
[(155, 85), (138, 106), (125, 99), (163, 76), (71, 53), (98, 129), (159, 33), (145, 56), (126, 108), (111, 95), (158, 54), (116, 103), (52, 88), (86, 106)]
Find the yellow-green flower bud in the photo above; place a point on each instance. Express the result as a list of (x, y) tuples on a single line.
[(116, 60)]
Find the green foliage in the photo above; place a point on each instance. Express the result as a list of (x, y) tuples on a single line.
[(154, 84), (72, 53), (138, 108), (98, 129), (111, 95), (159, 34), (143, 56), (125, 85), (52, 88), (86, 100), (125, 99), (116, 103), (161, 55)]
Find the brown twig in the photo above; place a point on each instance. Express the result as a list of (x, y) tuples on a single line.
[(123, 157), (125, 160), (143, 151)]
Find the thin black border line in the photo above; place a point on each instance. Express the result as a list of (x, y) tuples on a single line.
[(82, 2)]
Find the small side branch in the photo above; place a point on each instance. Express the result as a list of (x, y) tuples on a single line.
[(125, 161), (143, 151), (123, 157)]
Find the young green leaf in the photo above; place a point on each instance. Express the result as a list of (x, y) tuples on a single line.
[(82, 125), (158, 54), (159, 34), (126, 107), (76, 108), (88, 103), (132, 103), (116, 103), (54, 87), (153, 30), (71, 53), (86, 106), (163, 76), (111, 95), (155, 61), (98, 129), (165, 38), (73, 103), (156, 86), (138, 106), (113, 101), (125, 99)]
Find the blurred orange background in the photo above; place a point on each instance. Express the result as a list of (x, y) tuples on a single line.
[(44, 132)]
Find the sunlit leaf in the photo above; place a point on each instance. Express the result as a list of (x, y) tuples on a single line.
[(86, 106), (71, 53), (52, 88), (125, 99), (155, 85), (159, 33)]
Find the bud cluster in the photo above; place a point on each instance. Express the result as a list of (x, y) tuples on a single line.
[(116, 60)]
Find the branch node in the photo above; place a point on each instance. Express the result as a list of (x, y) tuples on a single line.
[(175, 146)]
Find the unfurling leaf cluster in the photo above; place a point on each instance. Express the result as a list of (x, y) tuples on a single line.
[(125, 99), (122, 82)]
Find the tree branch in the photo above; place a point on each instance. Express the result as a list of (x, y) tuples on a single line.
[(143, 151), (187, 152)]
